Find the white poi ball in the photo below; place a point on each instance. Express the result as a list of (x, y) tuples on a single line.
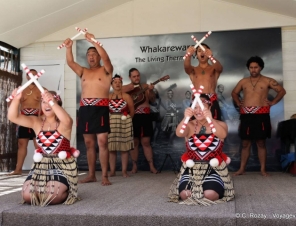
[(189, 163), (62, 155), (37, 157), (76, 153), (228, 160), (214, 162), (123, 117)]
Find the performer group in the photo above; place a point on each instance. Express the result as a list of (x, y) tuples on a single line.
[(122, 119)]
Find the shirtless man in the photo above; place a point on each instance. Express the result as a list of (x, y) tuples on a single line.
[(142, 121), (93, 116), (29, 106), (205, 74), (254, 109)]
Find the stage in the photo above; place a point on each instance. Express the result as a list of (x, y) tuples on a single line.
[(142, 200)]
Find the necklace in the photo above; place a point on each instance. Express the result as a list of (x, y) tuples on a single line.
[(203, 70), (116, 95), (28, 94), (203, 129), (255, 83)]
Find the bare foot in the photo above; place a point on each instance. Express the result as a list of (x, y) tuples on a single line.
[(264, 174), (134, 169), (153, 170), (105, 181), (239, 172), (14, 173), (111, 174), (125, 174), (87, 180)]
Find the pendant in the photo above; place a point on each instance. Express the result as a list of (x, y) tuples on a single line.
[(203, 72), (203, 130), (29, 93)]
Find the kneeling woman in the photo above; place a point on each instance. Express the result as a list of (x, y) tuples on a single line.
[(53, 177), (202, 184)]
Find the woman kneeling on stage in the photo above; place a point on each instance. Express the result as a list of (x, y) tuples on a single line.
[(53, 177), (201, 182)]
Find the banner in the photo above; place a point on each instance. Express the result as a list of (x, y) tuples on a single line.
[(158, 55)]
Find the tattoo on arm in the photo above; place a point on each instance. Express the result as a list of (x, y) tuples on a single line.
[(272, 82), (274, 85)]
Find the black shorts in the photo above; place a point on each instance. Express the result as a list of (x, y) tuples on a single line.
[(93, 120), (142, 125), (255, 126), (211, 182), (25, 132)]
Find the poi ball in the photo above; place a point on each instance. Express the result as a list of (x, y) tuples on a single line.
[(123, 117), (214, 162), (76, 153), (189, 163), (37, 157), (62, 155), (228, 160)]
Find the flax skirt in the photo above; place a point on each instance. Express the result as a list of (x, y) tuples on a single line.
[(121, 137), (199, 171)]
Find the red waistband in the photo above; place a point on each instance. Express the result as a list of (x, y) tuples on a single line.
[(142, 110), (94, 102), (30, 111), (255, 110)]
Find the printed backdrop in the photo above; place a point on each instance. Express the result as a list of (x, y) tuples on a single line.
[(160, 55)]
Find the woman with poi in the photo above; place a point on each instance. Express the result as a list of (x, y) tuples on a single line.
[(53, 177), (201, 183)]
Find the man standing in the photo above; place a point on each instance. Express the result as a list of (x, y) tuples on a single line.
[(142, 121), (93, 116), (29, 106), (254, 109), (205, 74)]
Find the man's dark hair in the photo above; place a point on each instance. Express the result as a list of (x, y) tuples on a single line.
[(255, 59), (94, 48), (203, 44), (131, 70), (91, 48), (32, 70)]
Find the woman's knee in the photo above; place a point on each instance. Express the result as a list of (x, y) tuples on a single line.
[(59, 198), (185, 194), (211, 195), (27, 196)]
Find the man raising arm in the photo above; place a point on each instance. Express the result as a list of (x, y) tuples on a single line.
[(93, 116), (205, 74)]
